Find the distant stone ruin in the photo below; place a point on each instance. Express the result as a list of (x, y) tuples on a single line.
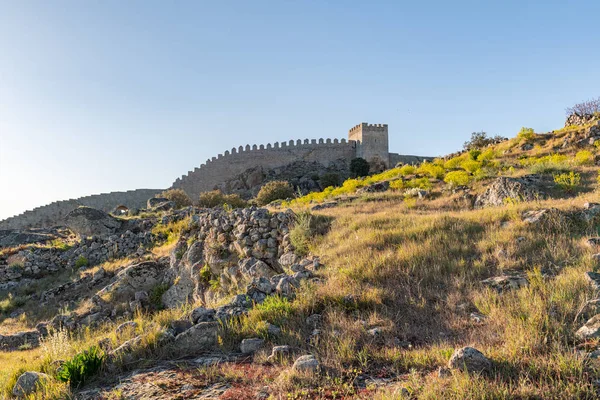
[(368, 141)]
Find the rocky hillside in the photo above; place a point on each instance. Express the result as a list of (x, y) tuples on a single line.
[(471, 276)]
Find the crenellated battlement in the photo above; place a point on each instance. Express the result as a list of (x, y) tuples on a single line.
[(272, 155)]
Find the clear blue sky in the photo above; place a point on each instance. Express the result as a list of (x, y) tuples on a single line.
[(98, 96)]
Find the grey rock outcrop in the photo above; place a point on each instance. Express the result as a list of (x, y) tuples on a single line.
[(28, 382), (590, 330), (201, 336), (87, 221), (511, 189)]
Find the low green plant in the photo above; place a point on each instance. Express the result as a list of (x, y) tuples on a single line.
[(457, 178), (567, 182), (274, 190), (155, 295), (217, 198), (301, 233), (205, 274), (81, 262), (81, 367)]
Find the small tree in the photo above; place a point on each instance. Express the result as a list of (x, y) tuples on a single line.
[(481, 139), (359, 167), (178, 196), (589, 107), (274, 190), (329, 179)]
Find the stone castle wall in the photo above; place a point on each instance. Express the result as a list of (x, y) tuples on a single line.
[(232, 163), (53, 213)]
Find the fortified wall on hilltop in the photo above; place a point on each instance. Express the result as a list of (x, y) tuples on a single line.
[(368, 141)]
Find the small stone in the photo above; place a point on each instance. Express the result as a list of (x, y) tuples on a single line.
[(314, 320), (377, 331), (250, 346), (477, 317), (307, 363), (469, 359), (279, 352)]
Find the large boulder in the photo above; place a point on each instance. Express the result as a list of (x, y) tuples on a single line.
[(28, 382), (12, 238), (469, 359), (505, 189), (87, 221), (154, 201)]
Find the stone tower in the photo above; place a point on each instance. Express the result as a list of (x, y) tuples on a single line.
[(372, 144)]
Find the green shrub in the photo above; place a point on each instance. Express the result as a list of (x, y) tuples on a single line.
[(526, 133), (487, 155), (407, 170), (470, 166), (546, 164), (474, 153), (216, 198), (81, 367), (584, 157), (329, 179), (434, 171), (178, 196), (359, 167), (567, 182), (454, 162), (420, 183), (457, 178), (274, 190), (397, 185), (81, 262)]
